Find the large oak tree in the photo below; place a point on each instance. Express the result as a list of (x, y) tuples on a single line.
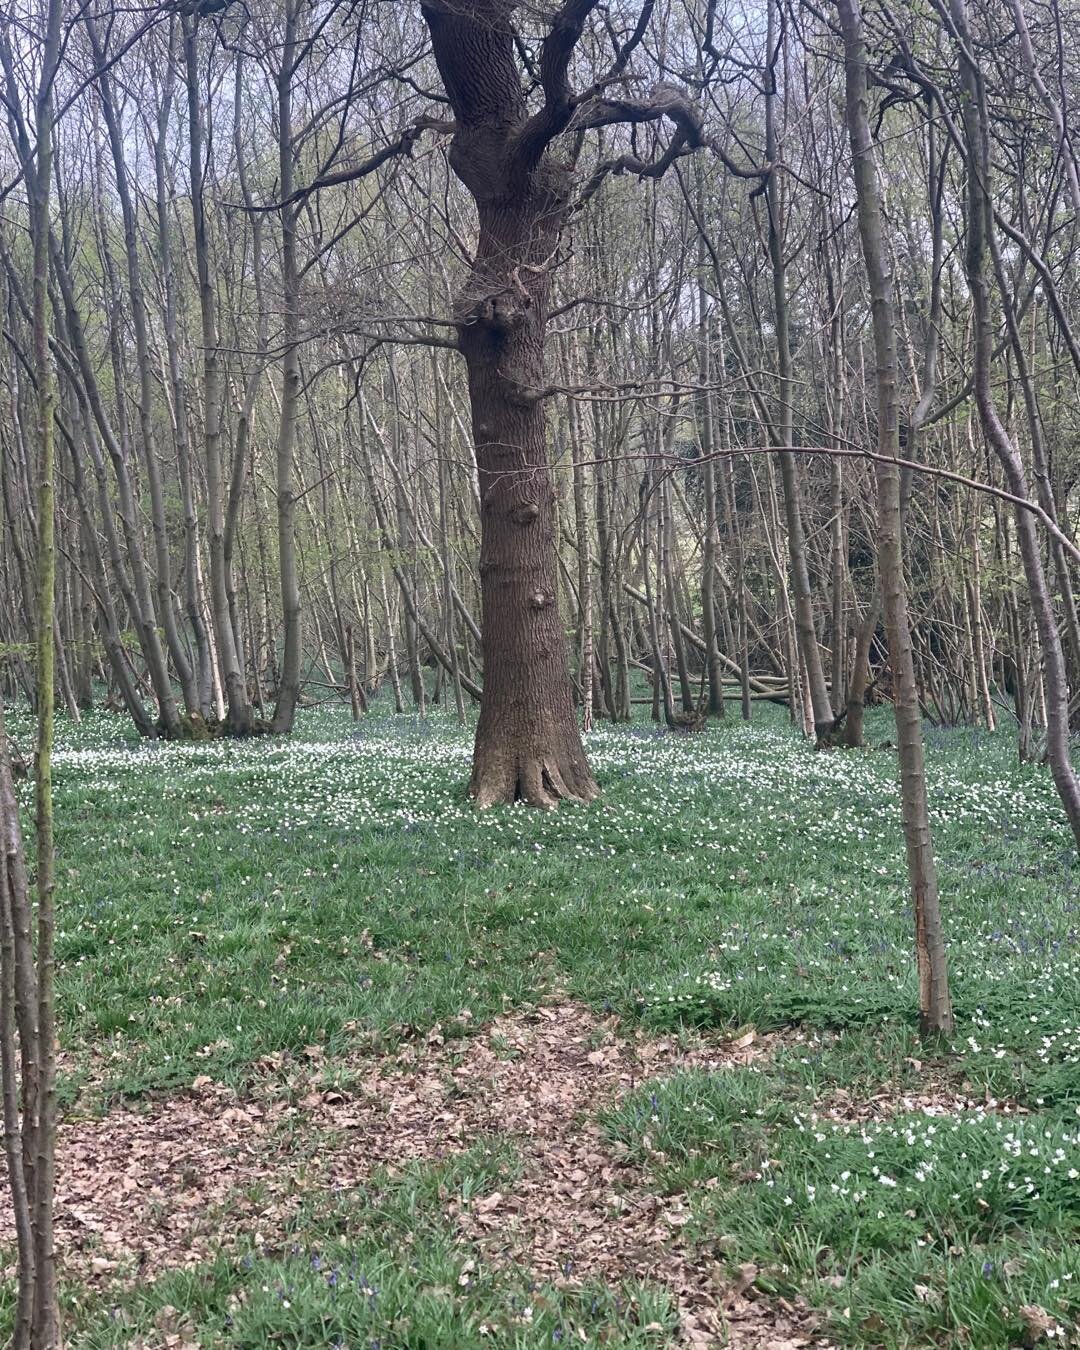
[(507, 152)]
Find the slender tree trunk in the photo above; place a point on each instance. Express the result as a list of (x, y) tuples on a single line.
[(790, 471), (449, 619), (178, 386), (860, 671), (139, 594), (289, 685), (166, 607), (586, 660), (18, 1064), (935, 1007), (391, 649), (46, 1328), (711, 541), (666, 587), (661, 689), (980, 224), (239, 718)]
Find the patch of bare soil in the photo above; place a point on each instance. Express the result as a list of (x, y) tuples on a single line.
[(144, 1191)]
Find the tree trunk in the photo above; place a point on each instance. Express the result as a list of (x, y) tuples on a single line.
[(980, 224), (860, 672), (935, 1006), (790, 471), (528, 745), (239, 720), (288, 692), (166, 607)]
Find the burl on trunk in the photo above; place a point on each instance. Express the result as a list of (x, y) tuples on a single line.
[(527, 743)]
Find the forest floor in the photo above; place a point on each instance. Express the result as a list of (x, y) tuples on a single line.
[(345, 1063)]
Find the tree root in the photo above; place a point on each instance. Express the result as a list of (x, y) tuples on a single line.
[(542, 783)]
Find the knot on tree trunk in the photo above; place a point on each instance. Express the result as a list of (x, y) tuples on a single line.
[(499, 312), (540, 600), (519, 393), (524, 513)]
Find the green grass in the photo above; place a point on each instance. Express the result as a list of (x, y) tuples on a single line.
[(909, 1231), (222, 902)]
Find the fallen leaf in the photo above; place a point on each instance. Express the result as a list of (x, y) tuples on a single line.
[(746, 1274), (1038, 1324)]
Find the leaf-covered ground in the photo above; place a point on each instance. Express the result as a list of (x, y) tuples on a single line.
[(268, 947)]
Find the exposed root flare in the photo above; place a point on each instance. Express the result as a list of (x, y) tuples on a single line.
[(542, 783), (194, 727)]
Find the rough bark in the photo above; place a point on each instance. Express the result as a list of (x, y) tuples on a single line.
[(528, 744), (790, 471), (239, 719), (289, 685)]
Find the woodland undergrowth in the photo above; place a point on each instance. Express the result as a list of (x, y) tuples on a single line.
[(224, 904)]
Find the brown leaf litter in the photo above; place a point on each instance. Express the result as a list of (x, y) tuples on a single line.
[(937, 1095), (578, 1211), (143, 1191)]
